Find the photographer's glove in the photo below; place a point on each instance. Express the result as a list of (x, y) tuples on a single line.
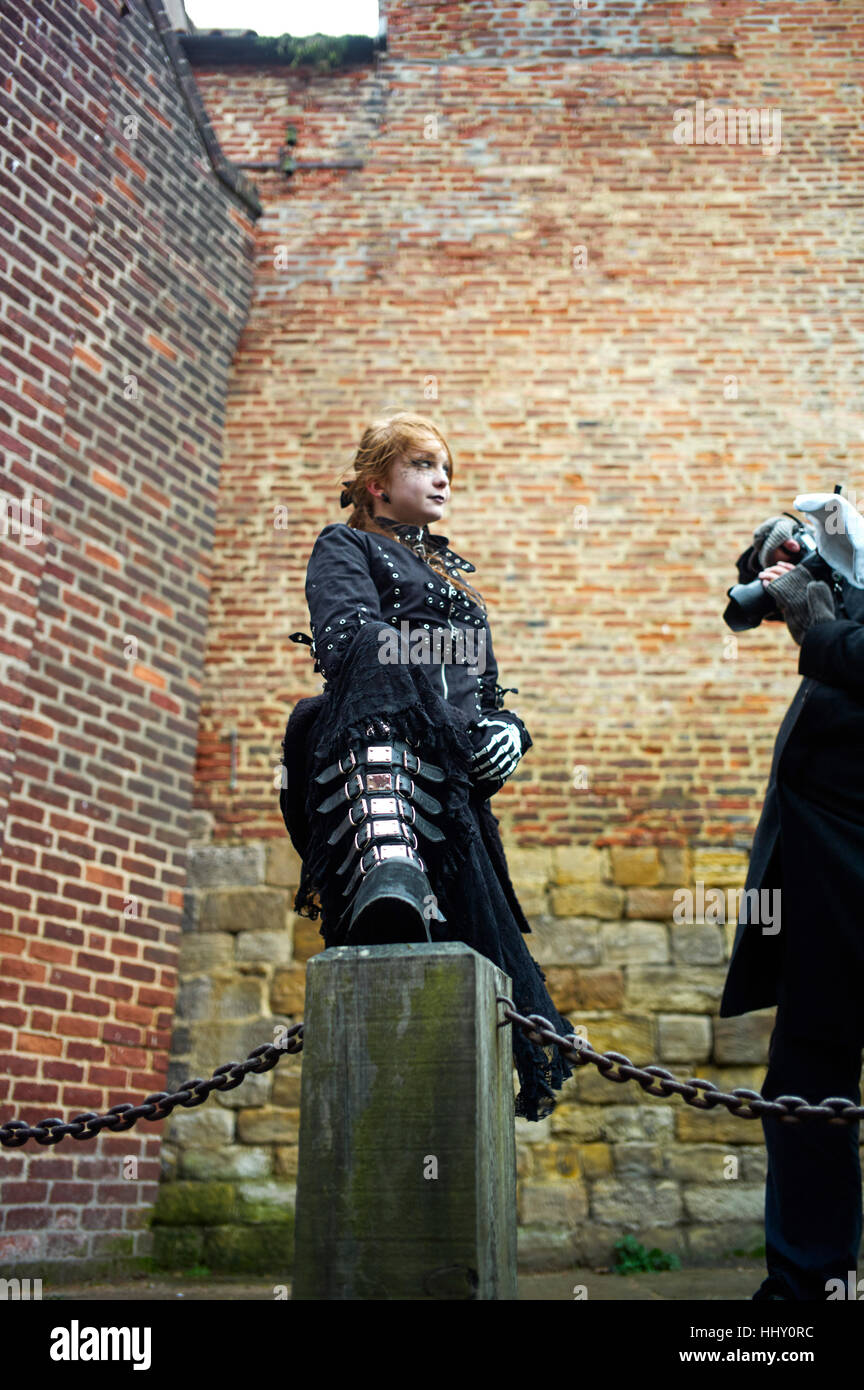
[(499, 739), (766, 539), (803, 600)]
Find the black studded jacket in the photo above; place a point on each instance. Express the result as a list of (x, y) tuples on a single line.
[(355, 577)]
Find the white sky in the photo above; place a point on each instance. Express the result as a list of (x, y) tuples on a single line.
[(298, 17)]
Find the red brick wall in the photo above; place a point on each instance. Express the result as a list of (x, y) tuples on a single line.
[(699, 370), (125, 279)]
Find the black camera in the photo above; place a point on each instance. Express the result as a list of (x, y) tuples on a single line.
[(751, 602)]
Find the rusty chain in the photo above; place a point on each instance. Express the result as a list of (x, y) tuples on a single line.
[(657, 1081), (156, 1106)]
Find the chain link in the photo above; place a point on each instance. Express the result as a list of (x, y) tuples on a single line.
[(657, 1081), (614, 1066), (155, 1107)]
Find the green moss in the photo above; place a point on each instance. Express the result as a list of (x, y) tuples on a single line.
[(194, 1204), (251, 1250), (177, 1247)]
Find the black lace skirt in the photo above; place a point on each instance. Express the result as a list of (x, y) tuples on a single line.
[(467, 870)]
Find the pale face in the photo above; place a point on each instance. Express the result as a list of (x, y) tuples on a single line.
[(419, 486)]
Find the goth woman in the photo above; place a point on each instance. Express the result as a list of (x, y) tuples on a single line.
[(389, 772)]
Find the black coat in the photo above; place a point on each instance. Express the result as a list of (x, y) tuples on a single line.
[(359, 587), (809, 842), (391, 582)]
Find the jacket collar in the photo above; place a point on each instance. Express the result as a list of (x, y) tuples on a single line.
[(413, 534), (420, 539)]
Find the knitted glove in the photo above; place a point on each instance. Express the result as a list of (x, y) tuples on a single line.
[(766, 539), (499, 739), (803, 600)]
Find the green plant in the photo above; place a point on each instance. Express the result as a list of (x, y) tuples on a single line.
[(631, 1257), (197, 1272)]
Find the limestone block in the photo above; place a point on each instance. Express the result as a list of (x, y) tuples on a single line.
[(564, 940), (627, 1204), (634, 943), (273, 947), (530, 868), (283, 866), (258, 1202), (699, 944), (543, 1249), (244, 909), (753, 1167), (533, 901), (637, 1160), (683, 1038), (286, 1081), (676, 866), (667, 988), (719, 867), (552, 1162), (307, 937), (216, 997), (270, 1125), (745, 1038), (288, 991), (632, 1034), (709, 1245), (561, 1205), (635, 865), (654, 903), (732, 1202), (716, 1126), (701, 1163), (580, 864), (202, 951), (217, 866), (226, 1163), (595, 989), (285, 1161), (596, 1160), (204, 1127), (586, 1126), (587, 900)]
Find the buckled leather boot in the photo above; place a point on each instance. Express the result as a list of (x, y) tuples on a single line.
[(386, 888)]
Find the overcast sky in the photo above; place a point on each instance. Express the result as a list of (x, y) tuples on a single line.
[(286, 16)]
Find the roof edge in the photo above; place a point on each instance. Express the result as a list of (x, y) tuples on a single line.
[(323, 52), (227, 173)]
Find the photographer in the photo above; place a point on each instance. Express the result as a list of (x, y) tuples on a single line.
[(810, 844)]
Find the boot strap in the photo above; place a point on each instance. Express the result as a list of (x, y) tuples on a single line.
[(376, 854), (368, 781), (375, 830), (376, 754), (384, 806)]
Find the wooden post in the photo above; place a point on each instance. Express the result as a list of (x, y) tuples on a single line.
[(406, 1187)]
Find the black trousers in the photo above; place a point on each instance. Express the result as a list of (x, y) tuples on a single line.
[(813, 1185)]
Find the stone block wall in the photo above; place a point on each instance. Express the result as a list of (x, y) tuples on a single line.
[(610, 1161)]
